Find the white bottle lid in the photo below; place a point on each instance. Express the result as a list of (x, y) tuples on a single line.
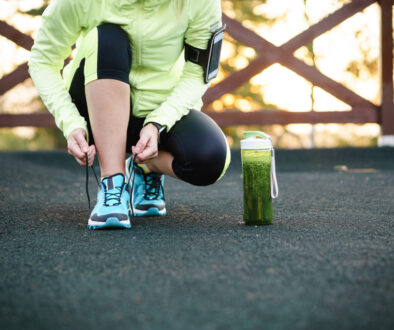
[(256, 140)]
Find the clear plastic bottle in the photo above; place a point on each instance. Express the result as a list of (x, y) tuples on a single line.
[(259, 178)]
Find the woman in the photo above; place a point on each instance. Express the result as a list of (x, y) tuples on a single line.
[(130, 89)]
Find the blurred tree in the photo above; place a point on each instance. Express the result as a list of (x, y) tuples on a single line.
[(248, 97), (36, 11), (247, 12), (367, 64), (43, 138)]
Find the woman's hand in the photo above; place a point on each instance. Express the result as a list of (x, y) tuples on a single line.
[(78, 147), (146, 148)]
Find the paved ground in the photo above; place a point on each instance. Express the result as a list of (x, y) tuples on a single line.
[(326, 262)]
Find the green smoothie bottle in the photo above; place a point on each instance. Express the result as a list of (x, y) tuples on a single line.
[(259, 178)]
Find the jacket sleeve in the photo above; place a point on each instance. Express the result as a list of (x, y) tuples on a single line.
[(59, 31), (204, 17)]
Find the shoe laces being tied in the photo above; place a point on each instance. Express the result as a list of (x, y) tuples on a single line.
[(152, 181), (112, 198), (153, 186)]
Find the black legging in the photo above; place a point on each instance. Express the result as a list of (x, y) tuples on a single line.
[(198, 145)]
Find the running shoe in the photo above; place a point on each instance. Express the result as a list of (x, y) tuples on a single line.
[(112, 208), (147, 194)]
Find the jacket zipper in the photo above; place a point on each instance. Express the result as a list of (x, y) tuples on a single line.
[(139, 31)]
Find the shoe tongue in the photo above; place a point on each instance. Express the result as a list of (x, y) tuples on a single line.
[(116, 180)]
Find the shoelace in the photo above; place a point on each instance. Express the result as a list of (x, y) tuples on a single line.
[(87, 177), (107, 195), (153, 186), (113, 196), (132, 174)]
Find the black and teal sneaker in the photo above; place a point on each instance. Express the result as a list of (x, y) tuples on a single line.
[(112, 208), (147, 193)]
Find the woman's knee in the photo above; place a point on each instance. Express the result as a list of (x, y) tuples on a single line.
[(200, 149), (207, 166)]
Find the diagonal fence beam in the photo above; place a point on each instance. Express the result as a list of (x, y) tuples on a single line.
[(16, 36), (20, 74), (331, 86), (327, 24), (272, 54), (253, 40), (14, 78), (309, 72)]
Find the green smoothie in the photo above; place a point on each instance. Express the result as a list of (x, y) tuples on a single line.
[(256, 169)]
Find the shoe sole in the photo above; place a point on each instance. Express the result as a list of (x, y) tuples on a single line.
[(109, 223), (150, 212)]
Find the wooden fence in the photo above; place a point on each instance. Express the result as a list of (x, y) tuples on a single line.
[(362, 110)]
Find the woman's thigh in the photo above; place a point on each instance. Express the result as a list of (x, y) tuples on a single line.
[(200, 149), (104, 54)]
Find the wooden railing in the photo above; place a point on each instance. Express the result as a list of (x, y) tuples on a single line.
[(362, 110)]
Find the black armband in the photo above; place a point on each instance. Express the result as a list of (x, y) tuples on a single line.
[(208, 58)]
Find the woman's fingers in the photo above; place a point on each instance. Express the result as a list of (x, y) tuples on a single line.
[(81, 141), (149, 152), (146, 147), (77, 143), (74, 149), (141, 144), (80, 161), (91, 154), (78, 147)]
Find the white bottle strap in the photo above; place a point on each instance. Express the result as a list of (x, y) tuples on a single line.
[(274, 182)]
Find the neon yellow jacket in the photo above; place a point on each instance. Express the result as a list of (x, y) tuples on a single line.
[(163, 87)]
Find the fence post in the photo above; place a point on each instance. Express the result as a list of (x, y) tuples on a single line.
[(387, 110)]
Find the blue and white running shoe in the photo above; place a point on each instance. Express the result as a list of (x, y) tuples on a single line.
[(147, 195), (112, 208)]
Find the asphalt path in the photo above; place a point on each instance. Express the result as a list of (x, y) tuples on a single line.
[(325, 263)]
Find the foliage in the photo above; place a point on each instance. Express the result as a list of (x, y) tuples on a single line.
[(367, 64), (36, 11), (244, 10), (42, 139)]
